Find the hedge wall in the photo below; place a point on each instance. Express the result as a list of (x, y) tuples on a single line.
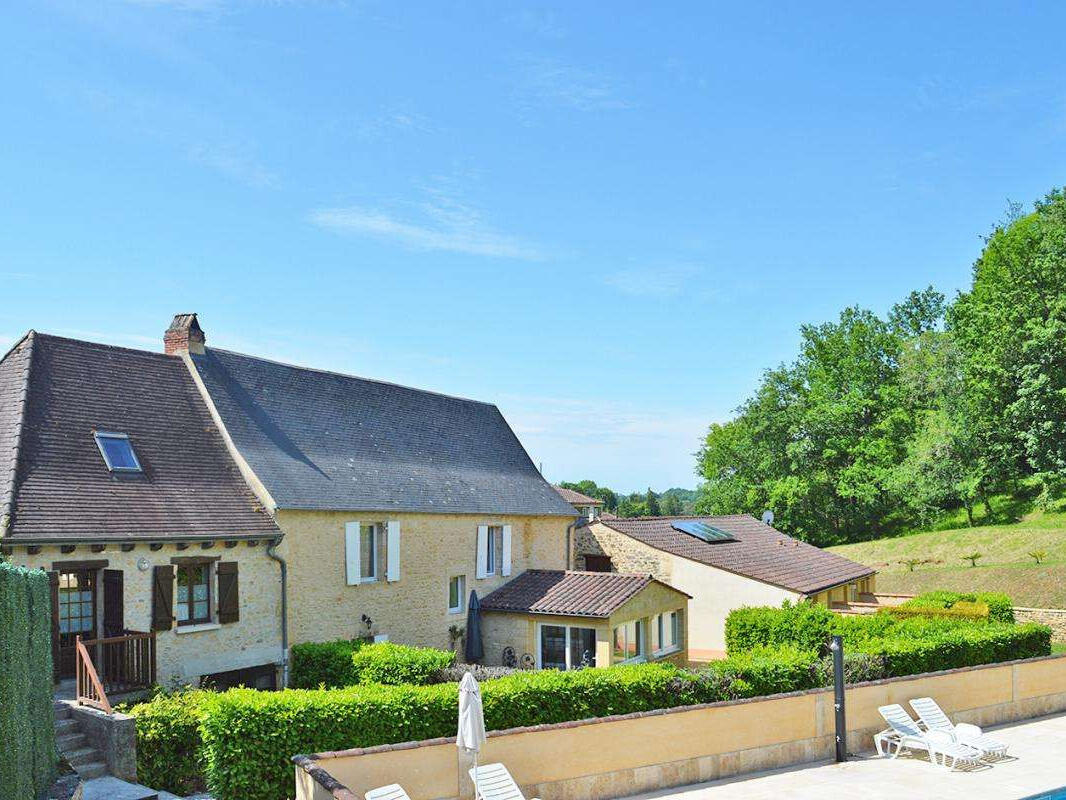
[(1000, 606), (27, 727), (335, 665)]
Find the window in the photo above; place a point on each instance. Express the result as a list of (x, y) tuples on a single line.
[(456, 593), (194, 594), (495, 532), (368, 551), (563, 647), (666, 632), (117, 452), (77, 607), (629, 641)]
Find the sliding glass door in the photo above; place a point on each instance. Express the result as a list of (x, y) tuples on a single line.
[(566, 647)]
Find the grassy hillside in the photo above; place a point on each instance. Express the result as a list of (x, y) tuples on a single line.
[(1005, 565)]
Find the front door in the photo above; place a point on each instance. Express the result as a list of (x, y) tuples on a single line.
[(76, 609)]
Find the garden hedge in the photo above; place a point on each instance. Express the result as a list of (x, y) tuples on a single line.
[(1000, 606), (169, 749), (27, 727), (335, 665)]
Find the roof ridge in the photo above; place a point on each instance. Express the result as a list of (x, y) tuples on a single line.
[(323, 371), (104, 345), (9, 482)]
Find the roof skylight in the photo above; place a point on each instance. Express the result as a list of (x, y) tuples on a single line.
[(117, 451), (701, 530)]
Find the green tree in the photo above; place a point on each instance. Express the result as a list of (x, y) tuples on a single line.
[(670, 505), (651, 503)]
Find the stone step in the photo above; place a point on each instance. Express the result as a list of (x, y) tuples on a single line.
[(83, 755), (74, 741), (111, 788), (61, 710), (65, 727), (95, 769)]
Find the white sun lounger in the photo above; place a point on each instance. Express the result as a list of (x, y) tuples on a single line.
[(903, 733), (494, 782), (932, 716), (391, 792)]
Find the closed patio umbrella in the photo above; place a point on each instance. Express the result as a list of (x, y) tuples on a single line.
[(474, 650), (471, 735)]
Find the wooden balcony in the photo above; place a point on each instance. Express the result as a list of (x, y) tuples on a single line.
[(115, 665)]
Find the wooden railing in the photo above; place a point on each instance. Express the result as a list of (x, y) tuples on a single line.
[(113, 665)]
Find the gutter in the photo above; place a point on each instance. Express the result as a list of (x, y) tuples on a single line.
[(15, 541), (272, 552)]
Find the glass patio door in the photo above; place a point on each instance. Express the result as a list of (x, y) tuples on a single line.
[(563, 647)]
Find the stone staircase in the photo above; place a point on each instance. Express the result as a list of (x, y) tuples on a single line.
[(74, 747)]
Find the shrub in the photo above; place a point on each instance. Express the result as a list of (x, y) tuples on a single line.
[(770, 670), (398, 664), (803, 625), (455, 673), (963, 609), (961, 647), (858, 668), (327, 664), (1000, 605), (169, 750)]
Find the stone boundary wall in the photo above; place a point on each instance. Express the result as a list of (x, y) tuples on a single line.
[(114, 736), (627, 754), (1054, 618)]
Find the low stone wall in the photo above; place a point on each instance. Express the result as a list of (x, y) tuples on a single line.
[(617, 756), (1054, 618), (114, 736)]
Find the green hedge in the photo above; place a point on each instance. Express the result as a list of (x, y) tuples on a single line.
[(962, 609), (169, 750), (803, 625), (335, 665), (962, 647), (1000, 605), (27, 727)]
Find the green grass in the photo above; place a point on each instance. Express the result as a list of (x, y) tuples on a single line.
[(1005, 565)]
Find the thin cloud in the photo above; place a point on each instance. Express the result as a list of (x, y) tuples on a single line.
[(233, 163), (551, 83), (660, 282)]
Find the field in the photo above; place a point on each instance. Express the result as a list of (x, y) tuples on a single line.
[(1005, 564)]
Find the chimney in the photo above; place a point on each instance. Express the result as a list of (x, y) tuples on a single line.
[(184, 336)]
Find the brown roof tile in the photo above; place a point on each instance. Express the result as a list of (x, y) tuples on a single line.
[(576, 498), (759, 552), (570, 594)]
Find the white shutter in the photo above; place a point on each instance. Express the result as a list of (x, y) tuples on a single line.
[(506, 550), (351, 553), (392, 551), (482, 550)]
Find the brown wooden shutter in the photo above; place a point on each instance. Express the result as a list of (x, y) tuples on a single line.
[(53, 586), (162, 598), (114, 613), (229, 606)]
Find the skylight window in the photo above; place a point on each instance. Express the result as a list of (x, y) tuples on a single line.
[(117, 452), (701, 530)]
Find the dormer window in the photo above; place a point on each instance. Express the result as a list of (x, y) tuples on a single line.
[(117, 451)]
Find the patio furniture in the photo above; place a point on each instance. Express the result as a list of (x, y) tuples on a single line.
[(932, 716), (391, 792), (903, 733), (494, 782)]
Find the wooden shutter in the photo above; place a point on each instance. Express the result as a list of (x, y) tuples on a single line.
[(114, 612), (53, 586), (392, 550), (351, 553), (229, 606), (482, 550), (506, 568), (162, 597)]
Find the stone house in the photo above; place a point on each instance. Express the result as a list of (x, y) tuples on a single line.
[(723, 563), (587, 507)]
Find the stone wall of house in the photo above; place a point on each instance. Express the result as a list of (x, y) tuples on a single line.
[(433, 549), (626, 553), (1055, 618), (185, 654)]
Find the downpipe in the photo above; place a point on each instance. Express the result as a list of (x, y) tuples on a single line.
[(272, 552)]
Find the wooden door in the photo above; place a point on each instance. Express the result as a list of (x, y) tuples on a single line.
[(77, 614)]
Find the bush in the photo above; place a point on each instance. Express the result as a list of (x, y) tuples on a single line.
[(398, 664), (803, 625), (455, 673), (328, 664), (1000, 605), (169, 750), (770, 670), (961, 647), (27, 730), (858, 668), (962, 609)]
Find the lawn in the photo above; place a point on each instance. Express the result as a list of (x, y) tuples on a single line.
[(1005, 564)]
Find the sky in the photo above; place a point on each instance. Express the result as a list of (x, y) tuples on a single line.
[(606, 218)]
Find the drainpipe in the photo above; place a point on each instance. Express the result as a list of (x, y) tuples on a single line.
[(272, 552), (569, 533)]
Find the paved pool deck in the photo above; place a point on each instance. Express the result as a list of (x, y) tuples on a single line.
[(1037, 764)]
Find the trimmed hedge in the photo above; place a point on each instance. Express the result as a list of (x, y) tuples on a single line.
[(169, 750), (27, 727), (335, 665), (803, 625), (962, 609), (962, 647), (1000, 606)]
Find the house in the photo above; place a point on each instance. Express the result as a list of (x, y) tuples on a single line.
[(587, 507), (115, 479), (723, 563), (565, 619)]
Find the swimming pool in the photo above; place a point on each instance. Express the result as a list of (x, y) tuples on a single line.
[(1054, 794)]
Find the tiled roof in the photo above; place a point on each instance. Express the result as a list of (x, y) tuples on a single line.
[(576, 498), (321, 440), (569, 594), (63, 490), (759, 552), (14, 370)]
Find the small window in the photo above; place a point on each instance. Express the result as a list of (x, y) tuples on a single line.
[(368, 552), (495, 533), (629, 641), (117, 452), (666, 632), (456, 593), (194, 594)]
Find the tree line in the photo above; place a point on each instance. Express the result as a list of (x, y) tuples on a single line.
[(672, 502), (884, 422)]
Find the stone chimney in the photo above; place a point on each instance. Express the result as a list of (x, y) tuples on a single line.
[(184, 336)]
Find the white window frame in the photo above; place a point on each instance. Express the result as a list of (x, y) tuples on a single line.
[(461, 594), (375, 529), (490, 551), (98, 435), (569, 665), (639, 657), (663, 622)]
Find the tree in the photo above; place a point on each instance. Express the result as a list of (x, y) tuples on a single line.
[(670, 505), (651, 504)]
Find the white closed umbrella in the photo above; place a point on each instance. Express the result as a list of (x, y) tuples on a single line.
[(471, 735)]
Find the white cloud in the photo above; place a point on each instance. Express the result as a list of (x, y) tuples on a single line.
[(231, 162), (549, 82), (656, 282), (442, 221)]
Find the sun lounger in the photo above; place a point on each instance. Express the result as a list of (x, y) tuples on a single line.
[(932, 716), (391, 792), (494, 782), (903, 733)]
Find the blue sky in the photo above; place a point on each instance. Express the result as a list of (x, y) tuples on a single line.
[(607, 218)]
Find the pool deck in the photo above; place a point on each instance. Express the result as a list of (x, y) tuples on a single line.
[(1037, 764)]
